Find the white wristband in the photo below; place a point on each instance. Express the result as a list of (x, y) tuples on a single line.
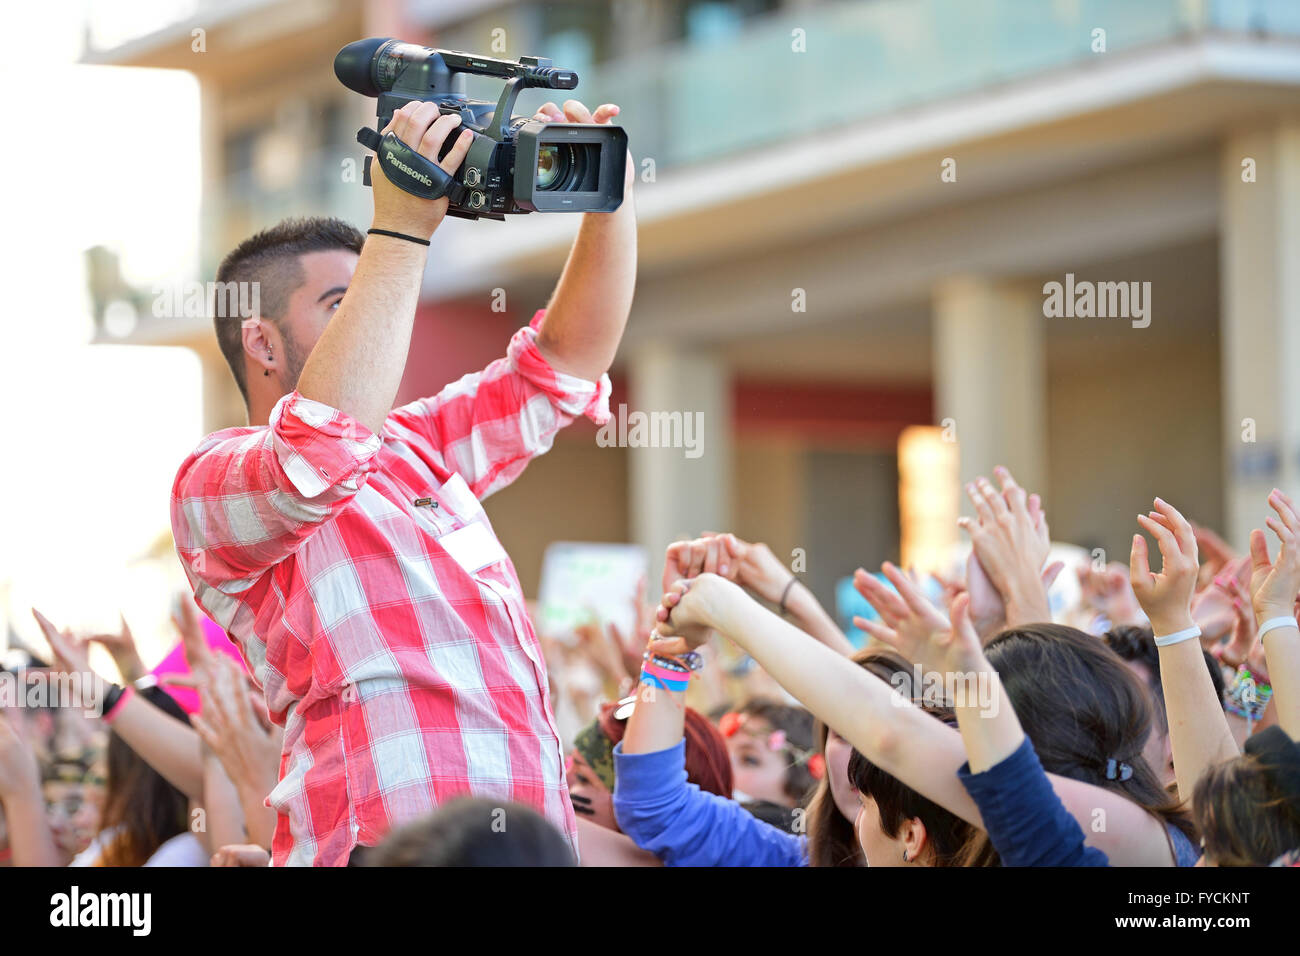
[(1276, 622), (1178, 636)]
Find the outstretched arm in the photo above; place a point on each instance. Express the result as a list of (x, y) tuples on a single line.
[(161, 740), (30, 839), (1026, 820), (1198, 729), (357, 365), (589, 308), (1273, 592), (889, 730)]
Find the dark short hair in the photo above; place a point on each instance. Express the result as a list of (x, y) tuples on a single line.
[(270, 258), (897, 803), (472, 831)]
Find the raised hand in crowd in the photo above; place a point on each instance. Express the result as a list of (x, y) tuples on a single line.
[(1107, 593), (1010, 544), (121, 646), (1198, 730), (1243, 635), (164, 742), (896, 736), (1213, 606), (30, 840), (1214, 552), (200, 658), (1274, 586), (233, 725)]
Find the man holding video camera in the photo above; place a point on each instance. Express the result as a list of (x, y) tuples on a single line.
[(341, 542)]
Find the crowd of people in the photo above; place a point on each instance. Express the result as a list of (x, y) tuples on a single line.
[(361, 684), (1154, 724)]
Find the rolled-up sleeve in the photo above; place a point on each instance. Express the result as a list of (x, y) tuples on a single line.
[(686, 826), (488, 425), (247, 498)]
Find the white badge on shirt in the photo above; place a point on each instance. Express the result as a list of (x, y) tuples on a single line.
[(462, 500), (474, 547)]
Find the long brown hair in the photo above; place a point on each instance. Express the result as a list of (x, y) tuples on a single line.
[(142, 811), (1086, 714)]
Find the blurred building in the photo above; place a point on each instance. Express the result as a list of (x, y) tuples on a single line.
[(849, 212)]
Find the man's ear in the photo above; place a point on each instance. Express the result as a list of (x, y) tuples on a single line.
[(915, 839), (262, 346)]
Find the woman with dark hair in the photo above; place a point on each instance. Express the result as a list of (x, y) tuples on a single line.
[(686, 827), (897, 823), (145, 820), (1024, 821), (1089, 718), (898, 736)]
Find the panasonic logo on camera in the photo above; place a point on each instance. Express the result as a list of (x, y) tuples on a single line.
[(408, 170)]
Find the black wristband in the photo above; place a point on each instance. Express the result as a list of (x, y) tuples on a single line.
[(112, 694), (396, 235), (786, 593)]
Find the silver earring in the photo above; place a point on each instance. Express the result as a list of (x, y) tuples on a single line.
[(904, 856)]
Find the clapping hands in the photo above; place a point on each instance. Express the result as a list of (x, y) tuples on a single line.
[(1010, 543)]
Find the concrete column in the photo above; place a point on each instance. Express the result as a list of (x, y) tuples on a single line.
[(990, 377), (1260, 321), (683, 490)]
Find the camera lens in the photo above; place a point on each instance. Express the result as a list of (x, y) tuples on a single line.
[(553, 165)]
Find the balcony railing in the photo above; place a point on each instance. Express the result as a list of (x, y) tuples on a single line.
[(688, 103)]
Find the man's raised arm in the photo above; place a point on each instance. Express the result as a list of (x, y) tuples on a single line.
[(357, 365), (589, 308)]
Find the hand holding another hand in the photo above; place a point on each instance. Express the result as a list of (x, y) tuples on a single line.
[(689, 610)]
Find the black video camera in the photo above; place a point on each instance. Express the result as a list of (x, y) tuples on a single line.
[(515, 164)]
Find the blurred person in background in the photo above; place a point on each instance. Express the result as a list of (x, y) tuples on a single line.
[(145, 821), (75, 790), (590, 766), (773, 761)]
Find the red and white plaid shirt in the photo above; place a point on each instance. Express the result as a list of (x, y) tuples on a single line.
[(402, 678)]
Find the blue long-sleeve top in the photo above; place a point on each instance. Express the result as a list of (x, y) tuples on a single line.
[(686, 826), (1025, 819)]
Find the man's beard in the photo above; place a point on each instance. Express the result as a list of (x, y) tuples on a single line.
[(294, 360)]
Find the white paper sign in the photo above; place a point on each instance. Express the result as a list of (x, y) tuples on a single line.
[(584, 582)]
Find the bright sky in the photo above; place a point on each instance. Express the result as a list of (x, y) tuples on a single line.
[(93, 433)]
